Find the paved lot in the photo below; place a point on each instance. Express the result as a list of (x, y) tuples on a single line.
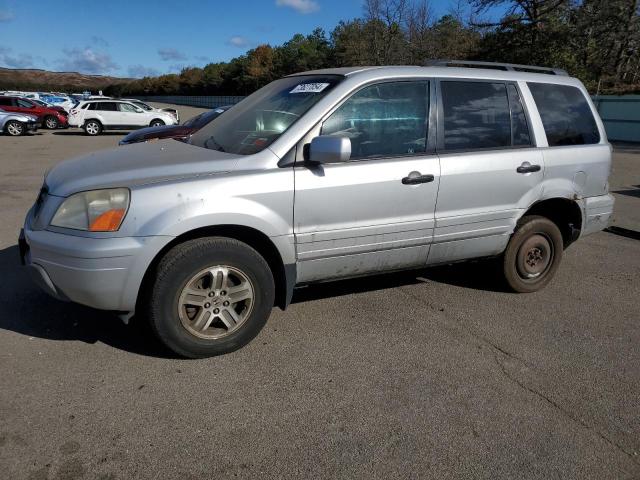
[(438, 374)]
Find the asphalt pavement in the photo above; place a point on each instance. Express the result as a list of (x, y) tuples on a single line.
[(431, 374)]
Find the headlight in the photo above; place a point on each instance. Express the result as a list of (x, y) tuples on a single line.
[(94, 211)]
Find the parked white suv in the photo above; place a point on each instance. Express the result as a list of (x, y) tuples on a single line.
[(94, 116)]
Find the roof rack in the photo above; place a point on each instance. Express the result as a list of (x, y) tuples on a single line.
[(510, 67)]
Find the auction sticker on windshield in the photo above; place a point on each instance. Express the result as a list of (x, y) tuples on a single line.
[(309, 88)]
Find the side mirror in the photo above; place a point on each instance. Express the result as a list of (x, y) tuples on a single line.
[(329, 149)]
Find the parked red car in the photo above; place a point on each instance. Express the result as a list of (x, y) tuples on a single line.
[(47, 116)]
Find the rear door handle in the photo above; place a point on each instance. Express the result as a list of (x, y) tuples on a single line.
[(414, 178), (526, 167)]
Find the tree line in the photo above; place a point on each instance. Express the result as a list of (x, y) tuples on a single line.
[(597, 41)]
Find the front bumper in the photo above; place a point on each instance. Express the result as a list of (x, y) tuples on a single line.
[(103, 273)]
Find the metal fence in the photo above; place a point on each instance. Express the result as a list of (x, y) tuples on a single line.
[(620, 114), (204, 101)]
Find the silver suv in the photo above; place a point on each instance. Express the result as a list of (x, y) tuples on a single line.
[(324, 175)]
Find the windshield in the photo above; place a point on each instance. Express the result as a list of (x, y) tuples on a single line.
[(258, 120)]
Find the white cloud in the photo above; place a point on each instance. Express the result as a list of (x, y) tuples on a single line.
[(171, 54), (300, 6), (87, 60), (139, 71), (18, 60), (238, 41), (6, 16)]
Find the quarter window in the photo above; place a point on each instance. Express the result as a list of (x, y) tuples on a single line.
[(476, 115), (566, 115), (383, 120)]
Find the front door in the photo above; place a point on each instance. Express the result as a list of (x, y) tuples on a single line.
[(374, 212), (491, 170)]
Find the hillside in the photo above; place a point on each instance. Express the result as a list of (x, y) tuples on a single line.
[(35, 79)]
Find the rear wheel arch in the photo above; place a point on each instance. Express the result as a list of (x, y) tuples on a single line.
[(564, 212), (283, 275)]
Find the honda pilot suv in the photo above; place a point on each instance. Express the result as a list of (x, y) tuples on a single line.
[(324, 175)]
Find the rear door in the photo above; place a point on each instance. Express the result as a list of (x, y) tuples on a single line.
[(490, 167), (107, 113), (374, 212)]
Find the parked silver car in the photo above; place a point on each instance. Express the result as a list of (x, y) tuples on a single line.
[(324, 175), (16, 124)]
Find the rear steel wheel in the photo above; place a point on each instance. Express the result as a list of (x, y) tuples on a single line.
[(533, 254)]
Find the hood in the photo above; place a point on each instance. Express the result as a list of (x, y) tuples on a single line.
[(136, 164)]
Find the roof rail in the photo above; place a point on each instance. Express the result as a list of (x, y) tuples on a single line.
[(511, 67)]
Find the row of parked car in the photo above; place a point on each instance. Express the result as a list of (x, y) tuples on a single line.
[(20, 115)]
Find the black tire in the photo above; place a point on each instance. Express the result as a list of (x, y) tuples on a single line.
[(156, 123), (15, 128), (161, 302), (533, 254), (92, 128), (51, 122)]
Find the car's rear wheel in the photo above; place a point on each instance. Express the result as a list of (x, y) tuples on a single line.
[(156, 123), (533, 254), (15, 128), (92, 127), (210, 296), (51, 122)]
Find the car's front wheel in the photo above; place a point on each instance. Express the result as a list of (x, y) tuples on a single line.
[(14, 128), (92, 127), (51, 122), (210, 296), (533, 254), (156, 123)]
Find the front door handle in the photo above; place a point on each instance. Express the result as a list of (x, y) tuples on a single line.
[(526, 167), (414, 178)]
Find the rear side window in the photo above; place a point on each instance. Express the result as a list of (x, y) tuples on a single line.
[(6, 101), (107, 106), (383, 120), (476, 115), (566, 115)]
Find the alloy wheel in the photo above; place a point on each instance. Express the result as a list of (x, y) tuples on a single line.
[(215, 302)]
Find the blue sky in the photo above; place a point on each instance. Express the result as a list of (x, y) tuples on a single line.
[(136, 38)]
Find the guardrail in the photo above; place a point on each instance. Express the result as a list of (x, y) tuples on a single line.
[(204, 101), (620, 114)]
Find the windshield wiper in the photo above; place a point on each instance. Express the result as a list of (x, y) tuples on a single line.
[(213, 140)]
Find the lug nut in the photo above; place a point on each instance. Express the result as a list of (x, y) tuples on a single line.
[(226, 304), (211, 294), (223, 292), (207, 305), (216, 310)]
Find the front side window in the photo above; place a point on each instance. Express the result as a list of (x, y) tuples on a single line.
[(383, 120), (258, 120), (125, 107), (566, 115), (476, 115)]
